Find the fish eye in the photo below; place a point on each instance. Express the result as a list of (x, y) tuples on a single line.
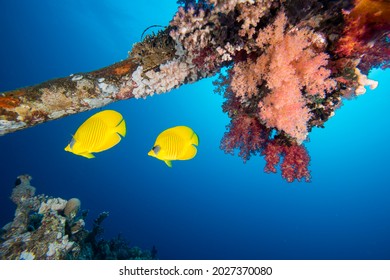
[(156, 149)]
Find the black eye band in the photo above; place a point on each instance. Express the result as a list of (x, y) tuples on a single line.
[(72, 143), (156, 149)]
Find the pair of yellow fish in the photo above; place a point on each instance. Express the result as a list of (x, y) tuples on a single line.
[(105, 129)]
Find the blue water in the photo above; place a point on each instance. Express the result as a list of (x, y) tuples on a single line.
[(211, 207)]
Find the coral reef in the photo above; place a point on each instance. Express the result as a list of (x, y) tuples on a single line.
[(72, 207), (46, 228), (293, 71), (93, 247), (289, 66)]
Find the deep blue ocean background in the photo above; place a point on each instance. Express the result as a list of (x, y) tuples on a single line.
[(211, 207)]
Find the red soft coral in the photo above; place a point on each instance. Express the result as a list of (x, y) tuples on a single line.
[(246, 134), (272, 154), (295, 163), (295, 160)]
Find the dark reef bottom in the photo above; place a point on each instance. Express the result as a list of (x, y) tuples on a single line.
[(47, 228)]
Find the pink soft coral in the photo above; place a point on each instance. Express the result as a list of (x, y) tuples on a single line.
[(291, 69), (291, 66), (245, 79), (274, 86), (286, 112)]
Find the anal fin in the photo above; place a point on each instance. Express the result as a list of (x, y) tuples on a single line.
[(87, 155)]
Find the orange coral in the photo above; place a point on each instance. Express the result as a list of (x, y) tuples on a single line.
[(8, 102), (122, 69), (371, 11), (365, 35)]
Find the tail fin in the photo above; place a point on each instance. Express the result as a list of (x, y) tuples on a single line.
[(195, 139), (121, 128)]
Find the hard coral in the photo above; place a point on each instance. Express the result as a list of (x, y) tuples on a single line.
[(250, 15), (167, 77), (52, 205), (49, 235), (23, 196), (27, 237), (363, 81), (72, 207), (22, 190)]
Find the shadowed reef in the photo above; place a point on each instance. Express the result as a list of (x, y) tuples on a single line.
[(47, 228)]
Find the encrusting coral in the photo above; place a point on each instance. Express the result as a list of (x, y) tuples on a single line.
[(366, 34), (285, 68), (46, 228)]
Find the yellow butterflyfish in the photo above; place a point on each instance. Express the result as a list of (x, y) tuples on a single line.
[(175, 143), (100, 132)]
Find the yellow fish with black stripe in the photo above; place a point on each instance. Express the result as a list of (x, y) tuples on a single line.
[(100, 132), (175, 143)]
